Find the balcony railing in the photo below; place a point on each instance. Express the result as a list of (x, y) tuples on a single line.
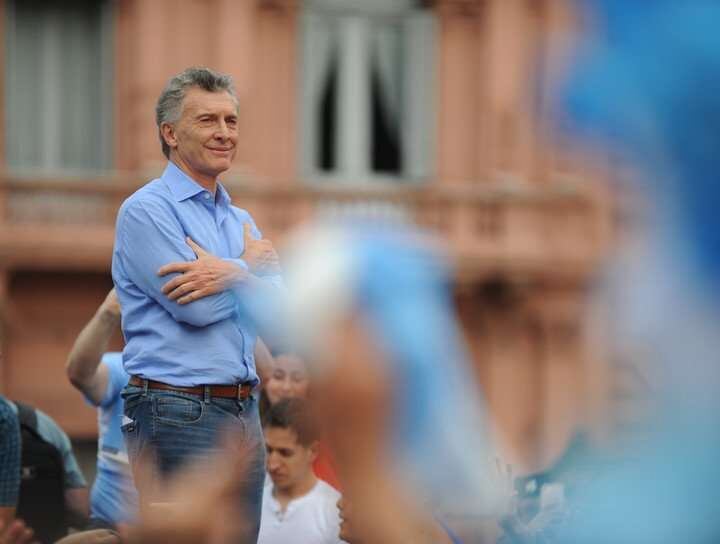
[(558, 229)]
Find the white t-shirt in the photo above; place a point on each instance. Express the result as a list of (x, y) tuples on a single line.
[(310, 519)]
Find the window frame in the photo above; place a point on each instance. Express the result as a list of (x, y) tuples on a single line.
[(418, 127), (52, 166)]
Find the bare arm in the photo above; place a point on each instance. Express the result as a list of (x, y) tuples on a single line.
[(7, 514), (83, 365), (263, 360), (77, 506)]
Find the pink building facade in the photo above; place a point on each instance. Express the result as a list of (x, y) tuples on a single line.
[(433, 111)]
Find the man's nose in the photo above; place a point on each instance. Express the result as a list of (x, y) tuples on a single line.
[(223, 131), (272, 462)]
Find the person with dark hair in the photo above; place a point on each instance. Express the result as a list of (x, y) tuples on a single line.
[(289, 378), (53, 494), (297, 506), (190, 340)]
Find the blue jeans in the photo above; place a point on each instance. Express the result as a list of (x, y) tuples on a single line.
[(175, 428)]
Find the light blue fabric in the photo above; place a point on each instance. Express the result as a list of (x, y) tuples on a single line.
[(111, 407), (113, 497), (647, 86), (399, 289), (210, 340)]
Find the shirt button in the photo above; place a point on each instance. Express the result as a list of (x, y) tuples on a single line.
[(207, 196)]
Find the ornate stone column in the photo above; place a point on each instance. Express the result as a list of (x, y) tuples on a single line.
[(461, 59)]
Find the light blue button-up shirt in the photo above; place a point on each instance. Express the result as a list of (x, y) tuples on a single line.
[(210, 340)]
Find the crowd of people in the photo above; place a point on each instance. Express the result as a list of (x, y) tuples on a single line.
[(330, 400)]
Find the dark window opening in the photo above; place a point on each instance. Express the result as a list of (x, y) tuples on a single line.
[(327, 121), (385, 135)]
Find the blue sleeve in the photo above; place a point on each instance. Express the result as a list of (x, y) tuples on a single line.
[(150, 236), (117, 378), (9, 455)]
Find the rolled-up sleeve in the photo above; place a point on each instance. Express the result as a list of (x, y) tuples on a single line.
[(9, 455), (150, 236)]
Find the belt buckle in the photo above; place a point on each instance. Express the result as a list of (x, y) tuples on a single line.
[(244, 391)]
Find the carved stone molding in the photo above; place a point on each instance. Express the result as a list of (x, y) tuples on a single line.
[(279, 5), (459, 8)]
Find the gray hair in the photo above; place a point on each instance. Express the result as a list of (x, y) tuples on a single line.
[(169, 104)]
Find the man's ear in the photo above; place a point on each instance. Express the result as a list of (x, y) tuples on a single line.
[(314, 450), (167, 131)]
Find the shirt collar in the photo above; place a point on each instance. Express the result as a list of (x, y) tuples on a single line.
[(180, 184), (222, 198)]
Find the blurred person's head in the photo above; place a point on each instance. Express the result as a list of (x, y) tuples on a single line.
[(292, 445), (197, 119), (382, 338), (289, 379)]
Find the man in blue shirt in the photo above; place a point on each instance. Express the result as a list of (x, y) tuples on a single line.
[(190, 340), (100, 377)]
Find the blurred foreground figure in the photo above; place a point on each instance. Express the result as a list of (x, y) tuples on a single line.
[(391, 380), (647, 86)]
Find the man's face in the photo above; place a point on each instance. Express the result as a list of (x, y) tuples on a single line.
[(289, 463), (204, 139)]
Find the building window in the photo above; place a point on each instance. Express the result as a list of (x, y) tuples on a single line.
[(367, 90), (58, 102)]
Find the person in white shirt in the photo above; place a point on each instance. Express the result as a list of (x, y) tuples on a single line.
[(297, 507)]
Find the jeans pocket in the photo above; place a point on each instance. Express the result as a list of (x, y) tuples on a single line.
[(131, 401), (177, 410), (129, 431)]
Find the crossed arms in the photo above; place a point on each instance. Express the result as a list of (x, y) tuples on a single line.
[(152, 250)]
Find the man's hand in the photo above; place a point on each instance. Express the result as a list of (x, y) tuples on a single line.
[(206, 276), (15, 532), (96, 536), (259, 255)]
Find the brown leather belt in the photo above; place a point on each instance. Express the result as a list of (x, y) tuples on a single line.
[(241, 391)]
